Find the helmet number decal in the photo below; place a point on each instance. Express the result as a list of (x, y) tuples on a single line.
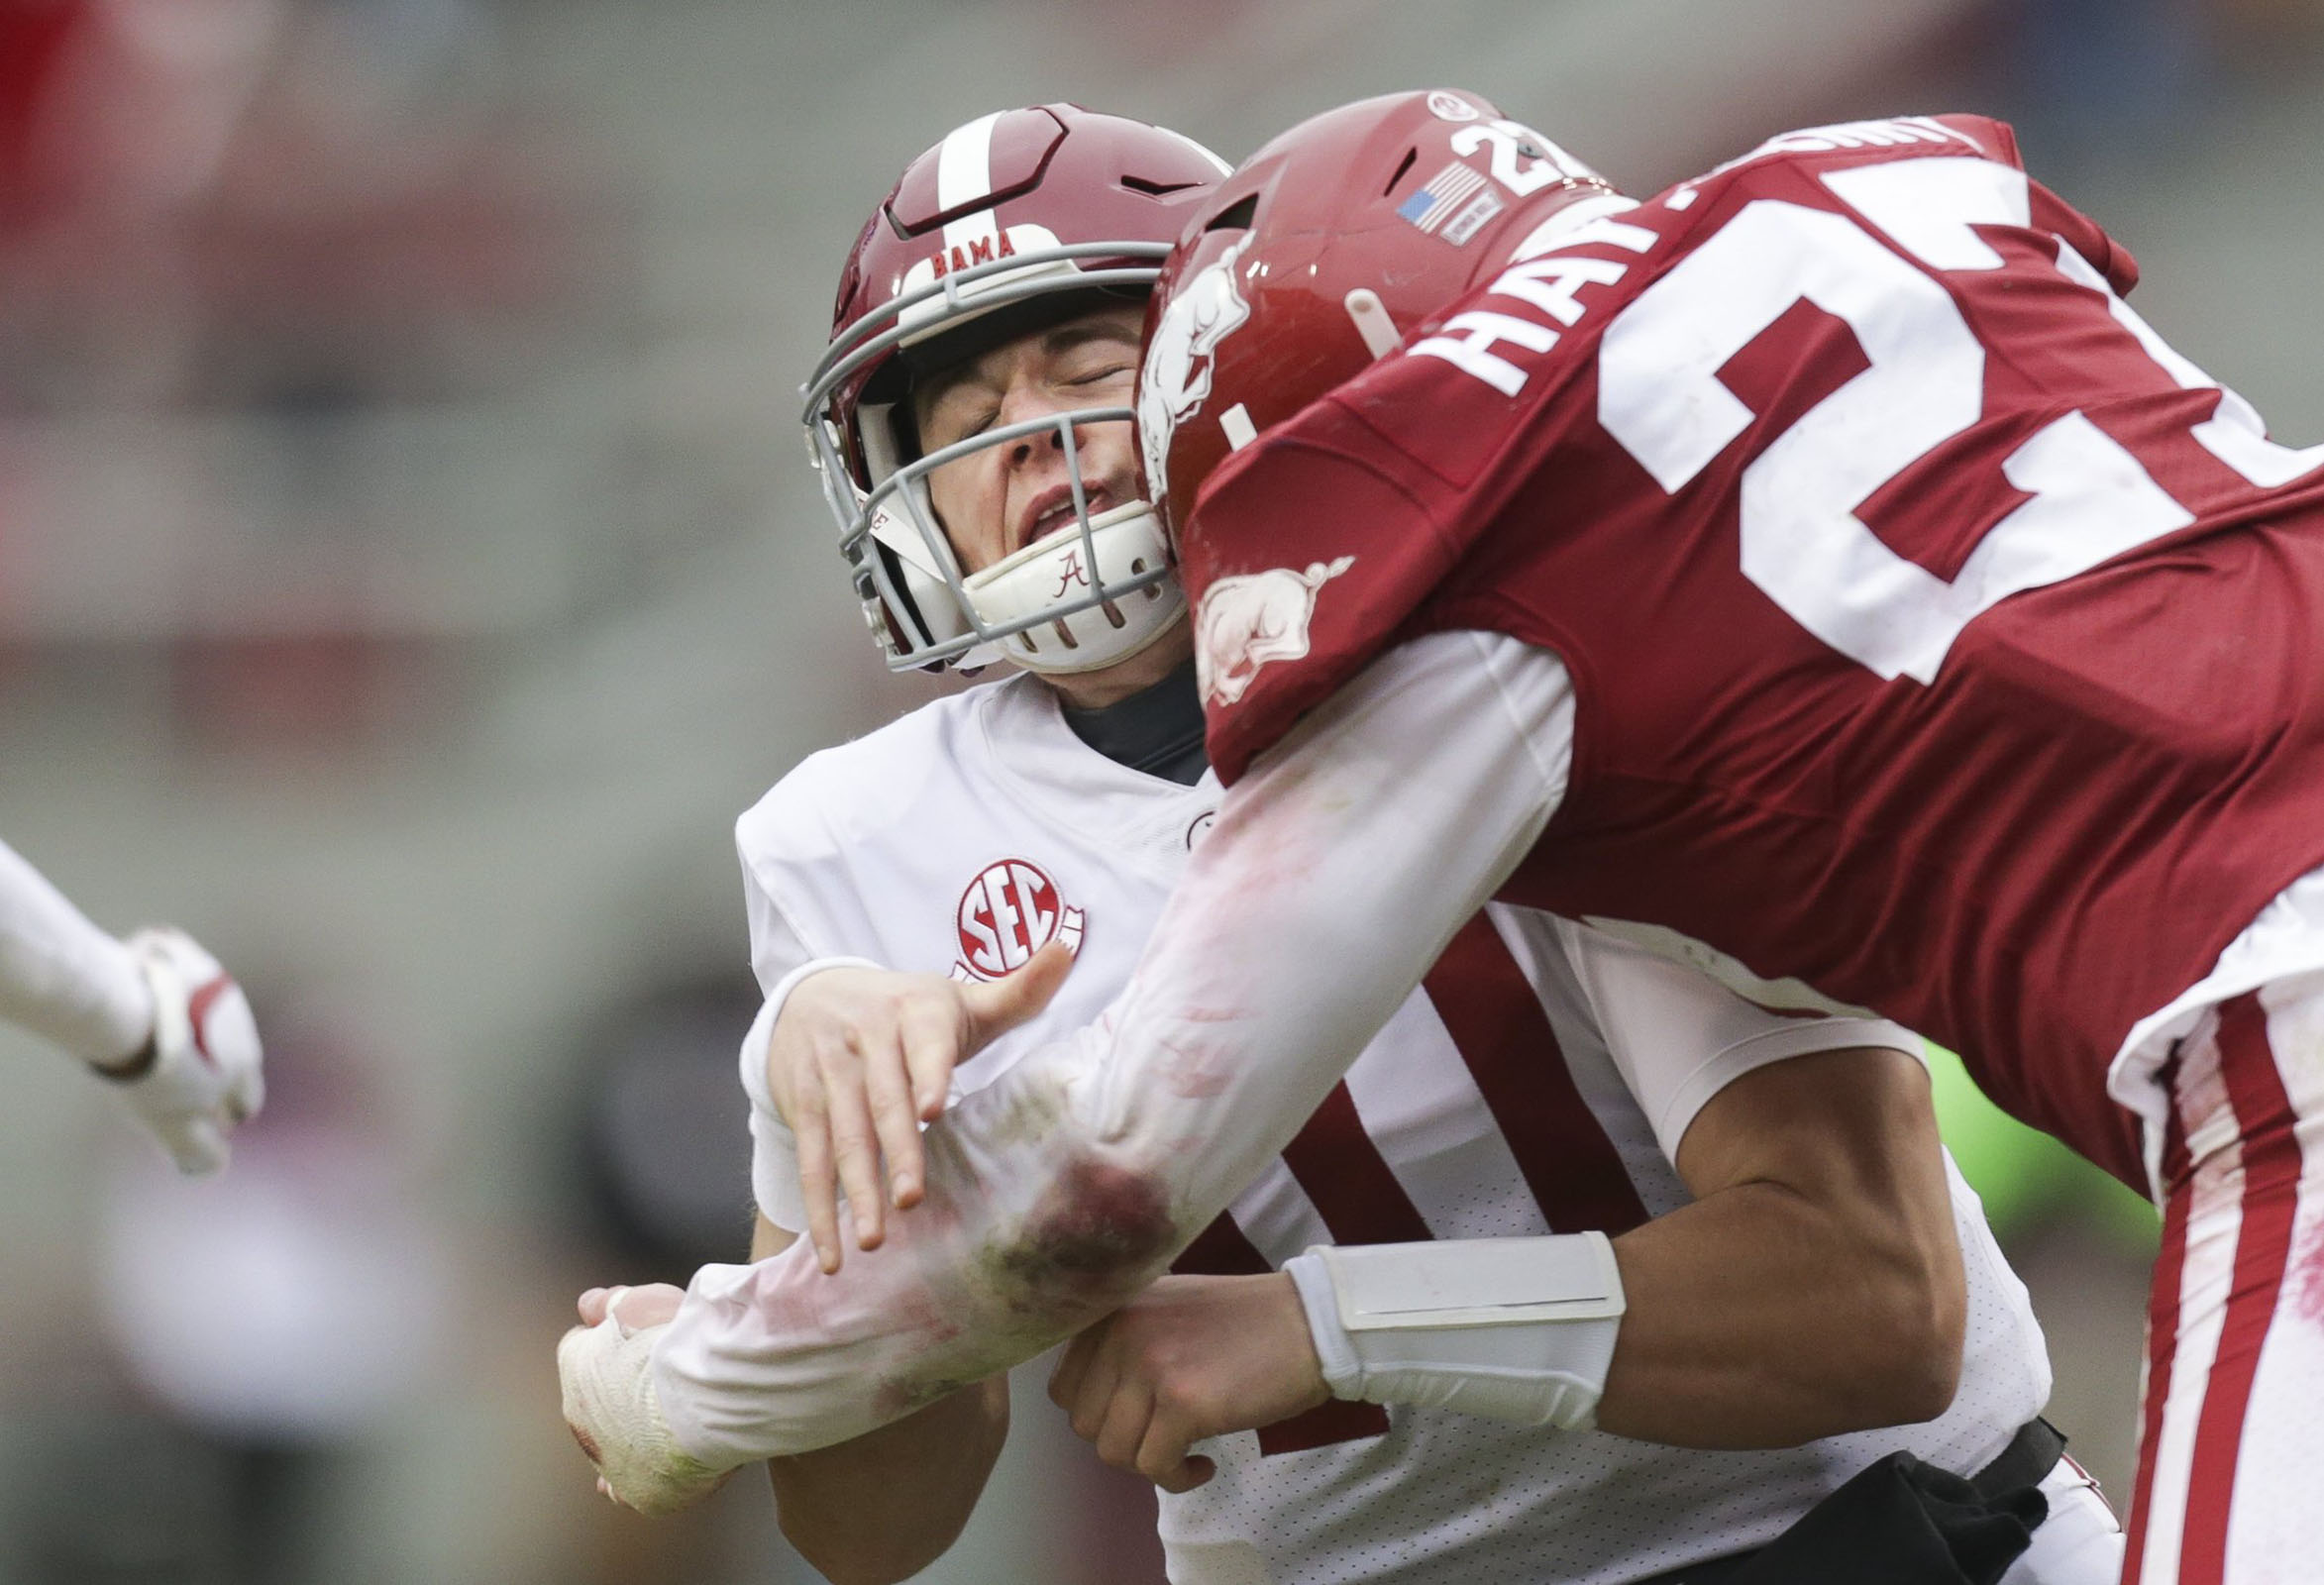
[(1513, 140)]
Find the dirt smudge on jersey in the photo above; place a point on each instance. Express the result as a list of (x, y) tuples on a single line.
[(1096, 1234), (1029, 1106)]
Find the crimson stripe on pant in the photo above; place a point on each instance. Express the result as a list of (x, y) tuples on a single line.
[(2271, 1187), (2161, 1326)]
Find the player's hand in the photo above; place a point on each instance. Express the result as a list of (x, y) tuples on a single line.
[(635, 1308), (859, 1058), (604, 1368), (198, 1074), (1190, 1357)]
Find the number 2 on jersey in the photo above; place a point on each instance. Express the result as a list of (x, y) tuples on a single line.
[(1802, 543)]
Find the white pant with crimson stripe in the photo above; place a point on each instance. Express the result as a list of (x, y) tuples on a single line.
[(2228, 1461)]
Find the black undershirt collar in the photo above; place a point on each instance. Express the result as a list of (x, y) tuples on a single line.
[(1158, 730)]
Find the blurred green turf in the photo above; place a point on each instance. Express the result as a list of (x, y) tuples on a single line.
[(2025, 1176)]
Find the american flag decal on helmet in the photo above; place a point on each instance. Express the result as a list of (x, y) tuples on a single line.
[(1444, 193)]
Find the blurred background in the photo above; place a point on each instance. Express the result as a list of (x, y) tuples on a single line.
[(408, 568)]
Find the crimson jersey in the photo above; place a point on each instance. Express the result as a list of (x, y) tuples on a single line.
[(1939, 636)]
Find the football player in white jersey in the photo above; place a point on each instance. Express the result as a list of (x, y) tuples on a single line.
[(154, 1015), (1359, 1342)]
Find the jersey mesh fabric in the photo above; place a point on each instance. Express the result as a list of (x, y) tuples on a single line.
[(869, 849), (2105, 779)]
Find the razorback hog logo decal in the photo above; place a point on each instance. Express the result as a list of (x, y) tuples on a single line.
[(1176, 379), (1248, 621)]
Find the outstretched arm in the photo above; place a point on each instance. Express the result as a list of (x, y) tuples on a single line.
[(155, 1014), (62, 977), (1337, 870)]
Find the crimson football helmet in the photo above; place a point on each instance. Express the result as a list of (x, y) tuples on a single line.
[(1326, 249), (1014, 220)]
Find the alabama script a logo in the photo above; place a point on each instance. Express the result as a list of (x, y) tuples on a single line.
[(1008, 912)]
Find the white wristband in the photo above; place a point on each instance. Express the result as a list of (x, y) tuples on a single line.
[(774, 1148), (1520, 1329), (754, 1047)]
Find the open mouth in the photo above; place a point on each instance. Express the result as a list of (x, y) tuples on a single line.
[(1051, 512)]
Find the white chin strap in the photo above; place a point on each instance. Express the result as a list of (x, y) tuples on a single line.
[(1019, 588)]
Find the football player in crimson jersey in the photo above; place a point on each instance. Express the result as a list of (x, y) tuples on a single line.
[(155, 1015), (1904, 618), (1545, 1077)]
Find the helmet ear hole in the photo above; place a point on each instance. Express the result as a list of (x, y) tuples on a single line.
[(902, 605), (1157, 189), (1235, 216)]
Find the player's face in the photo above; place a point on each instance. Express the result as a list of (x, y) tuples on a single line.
[(996, 501)]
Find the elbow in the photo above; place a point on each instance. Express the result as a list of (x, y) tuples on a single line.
[(868, 1561), (1098, 1233), (1925, 1378), (886, 1506), (1919, 1311), (1096, 1220)]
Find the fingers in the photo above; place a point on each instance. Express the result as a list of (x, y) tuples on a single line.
[(246, 1093), (817, 1187), (636, 1309), (853, 1073), (1162, 1457), (887, 1088), (225, 1030), (196, 1143), (1086, 1381), (1065, 1381), (631, 1310), (931, 1038), (996, 1009), (1129, 1411), (855, 1146), (607, 1308), (1193, 1471), (1119, 1415)]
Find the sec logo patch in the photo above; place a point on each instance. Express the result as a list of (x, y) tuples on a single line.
[(1008, 912)]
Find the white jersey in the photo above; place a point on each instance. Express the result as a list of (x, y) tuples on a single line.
[(1503, 1099)]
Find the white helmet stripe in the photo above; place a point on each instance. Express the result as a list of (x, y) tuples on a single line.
[(964, 174)]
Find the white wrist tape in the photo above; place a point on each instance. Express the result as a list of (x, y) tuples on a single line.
[(1519, 1330), (606, 1372)]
